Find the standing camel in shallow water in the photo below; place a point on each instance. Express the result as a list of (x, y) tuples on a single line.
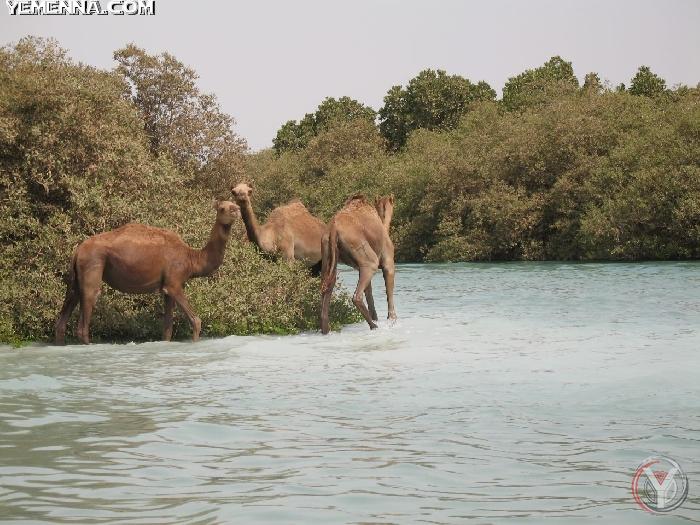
[(290, 231), (358, 236), (141, 259)]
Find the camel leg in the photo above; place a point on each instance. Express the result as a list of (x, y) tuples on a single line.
[(88, 298), (366, 274), (370, 301), (315, 269), (388, 272), (286, 248), (179, 296), (325, 307), (69, 305), (90, 285), (327, 283), (289, 254), (168, 317)]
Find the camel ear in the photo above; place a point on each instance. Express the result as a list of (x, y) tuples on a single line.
[(215, 204), (391, 198)]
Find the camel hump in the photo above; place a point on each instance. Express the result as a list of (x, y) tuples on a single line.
[(288, 211), (358, 198), (358, 203), (136, 228), (295, 206), (136, 232)]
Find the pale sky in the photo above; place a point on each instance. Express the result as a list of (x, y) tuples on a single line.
[(271, 61)]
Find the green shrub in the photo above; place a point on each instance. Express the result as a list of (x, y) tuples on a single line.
[(551, 171), (76, 163), (581, 174)]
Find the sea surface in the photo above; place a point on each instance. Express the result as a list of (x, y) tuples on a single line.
[(504, 393)]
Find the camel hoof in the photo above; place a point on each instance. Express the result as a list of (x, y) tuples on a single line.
[(372, 326)]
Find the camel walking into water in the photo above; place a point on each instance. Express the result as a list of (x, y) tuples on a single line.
[(142, 259), (358, 235), (290, 231)]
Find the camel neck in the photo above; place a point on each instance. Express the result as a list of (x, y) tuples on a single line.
[(251, 222), (212, 255), (386, 218)]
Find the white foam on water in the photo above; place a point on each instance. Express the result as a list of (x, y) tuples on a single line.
[(504, 392)]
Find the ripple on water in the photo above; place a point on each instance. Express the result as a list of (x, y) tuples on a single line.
[(514, 392), (30, 382)]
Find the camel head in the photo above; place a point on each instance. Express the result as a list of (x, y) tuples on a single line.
[(242, 192), (226, 211), (385, 208)]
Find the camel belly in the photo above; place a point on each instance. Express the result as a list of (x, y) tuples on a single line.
[(131, 276), (306, 255)]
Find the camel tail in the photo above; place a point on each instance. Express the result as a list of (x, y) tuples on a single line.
[(329, 272), (71, 279), (71, 300), (329, 260)]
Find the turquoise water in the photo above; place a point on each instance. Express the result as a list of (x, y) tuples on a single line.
[(523, 392)]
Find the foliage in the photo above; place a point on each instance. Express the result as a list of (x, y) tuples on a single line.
[(536, 86), (179, 120), (339, 162), (77, 163), (582, 174), (551, 171), (592, 84), (332, 112), (343, 143), (294, 136), (647, 83), (431, 100)]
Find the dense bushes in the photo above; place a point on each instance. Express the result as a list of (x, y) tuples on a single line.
[(74, 161), (552, 171)]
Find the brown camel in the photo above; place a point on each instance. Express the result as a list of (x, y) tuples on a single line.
[(290, 231), (358, 236), (141, 259)]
